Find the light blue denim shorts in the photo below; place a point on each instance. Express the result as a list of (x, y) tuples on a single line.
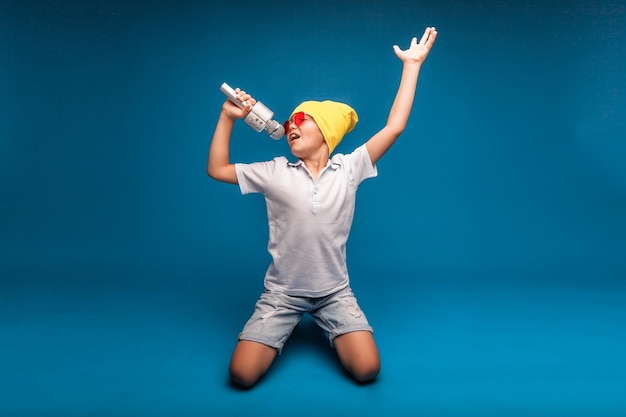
[(276, 315)]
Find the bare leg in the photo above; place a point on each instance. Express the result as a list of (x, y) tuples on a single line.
[(249, 362), (359, 355)]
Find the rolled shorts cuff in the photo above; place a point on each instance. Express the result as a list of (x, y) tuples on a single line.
[(340, 331), (259, 338)]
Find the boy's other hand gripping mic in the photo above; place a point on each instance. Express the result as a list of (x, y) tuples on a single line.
[(259, 118)]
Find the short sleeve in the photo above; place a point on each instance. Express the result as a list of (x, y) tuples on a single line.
[(358, 164), (254, 177)]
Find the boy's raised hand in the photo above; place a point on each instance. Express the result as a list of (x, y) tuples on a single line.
[(417, 52)]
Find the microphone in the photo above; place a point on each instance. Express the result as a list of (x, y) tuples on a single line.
[(259, 118)]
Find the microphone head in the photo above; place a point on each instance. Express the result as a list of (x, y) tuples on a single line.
[(275, 130)]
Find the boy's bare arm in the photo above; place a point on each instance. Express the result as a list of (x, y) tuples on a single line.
[(412, 60), (219, 166)]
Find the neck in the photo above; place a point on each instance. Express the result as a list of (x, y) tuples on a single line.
[(316, 163)]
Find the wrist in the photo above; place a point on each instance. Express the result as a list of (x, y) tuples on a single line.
[(412, 64), (226, 117)]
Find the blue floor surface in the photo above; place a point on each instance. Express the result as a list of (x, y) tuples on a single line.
[(451, 345)]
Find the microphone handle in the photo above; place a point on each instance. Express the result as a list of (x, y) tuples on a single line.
[(259, 118), (230, 93)]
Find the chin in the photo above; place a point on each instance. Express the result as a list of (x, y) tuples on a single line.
[(295, 152)]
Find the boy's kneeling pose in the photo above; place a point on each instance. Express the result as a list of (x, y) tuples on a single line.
[(310, 207)]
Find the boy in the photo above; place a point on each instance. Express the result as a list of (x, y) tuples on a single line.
[(310, 206)]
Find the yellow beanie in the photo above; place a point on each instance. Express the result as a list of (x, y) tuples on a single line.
[(333, 118)]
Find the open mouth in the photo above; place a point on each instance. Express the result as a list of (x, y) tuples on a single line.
[(293, 136)]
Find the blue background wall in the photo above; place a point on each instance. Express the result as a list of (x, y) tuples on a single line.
[(489, 254)]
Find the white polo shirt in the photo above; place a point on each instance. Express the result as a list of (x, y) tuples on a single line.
[(309, 221)]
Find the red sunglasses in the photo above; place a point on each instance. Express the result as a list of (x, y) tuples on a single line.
[(296, 119)]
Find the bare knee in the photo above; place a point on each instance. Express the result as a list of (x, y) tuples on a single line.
[(359, 355), (365, 370), (249, 362), (243, 377)]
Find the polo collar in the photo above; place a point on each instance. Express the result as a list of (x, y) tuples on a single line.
[(299, 162)]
